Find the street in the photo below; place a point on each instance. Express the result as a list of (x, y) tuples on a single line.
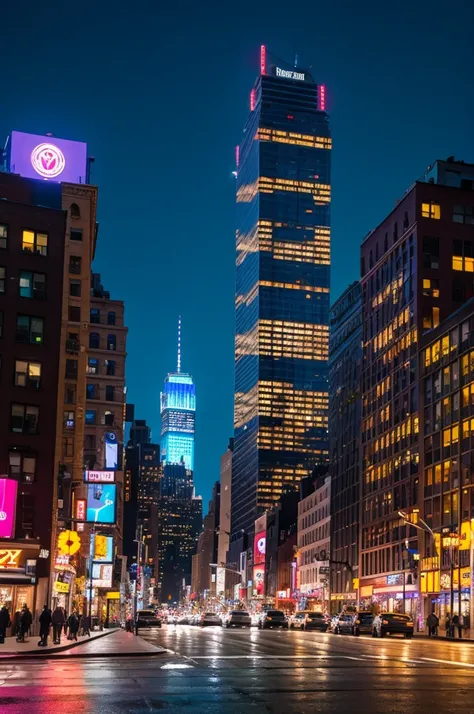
[(217, 671)]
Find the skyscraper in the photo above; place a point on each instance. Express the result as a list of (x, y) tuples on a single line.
[(282, 289), (178, 409)]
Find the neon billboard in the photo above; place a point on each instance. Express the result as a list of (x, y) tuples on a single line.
[(47, 158), (8, 496)]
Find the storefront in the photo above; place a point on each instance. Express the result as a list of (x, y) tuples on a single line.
[(392, 593), (18, 575), (440, 598), (342, 601), (63, 583)]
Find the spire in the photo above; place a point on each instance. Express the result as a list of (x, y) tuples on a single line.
[(179, 344)]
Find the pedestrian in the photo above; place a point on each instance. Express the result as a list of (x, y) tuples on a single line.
[(58, 620), (45, 625), (456, 624), (448, 625), (4, 623), (17, 624), (432, 622), (26, 621), (73, 626), (86, 625)]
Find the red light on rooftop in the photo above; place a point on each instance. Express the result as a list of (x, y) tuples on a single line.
[(290, 116), (263, 59), (322, 97), (252, 100)]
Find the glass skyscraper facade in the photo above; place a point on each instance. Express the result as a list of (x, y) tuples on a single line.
[(282, 289)]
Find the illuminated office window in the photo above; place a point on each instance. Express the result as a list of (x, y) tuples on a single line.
[(431, 210)]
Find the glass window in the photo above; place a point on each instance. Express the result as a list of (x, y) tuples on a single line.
[(76, 234), (90, 391), (94, 340), (27, 374), (35, 243), (431, 210), (22, 467), (95, 316), (75, 264), (91, 416), (111, 342), (1, 323), (32, 285), (75, 288), (110, 365), (24, 418), (68, 420), (109, 393), (93, 365), (2, 279), (3, 235), (71, 368), (74, 313), (29, 329), (111, 318)]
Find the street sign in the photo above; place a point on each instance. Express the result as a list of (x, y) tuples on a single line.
[(324, 570)]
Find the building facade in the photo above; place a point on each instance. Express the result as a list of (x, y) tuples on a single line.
[(416, 269), (225, 580), (314, 535), (345, 409), (282, 290)]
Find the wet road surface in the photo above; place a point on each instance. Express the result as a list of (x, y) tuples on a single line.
[(217, 671)]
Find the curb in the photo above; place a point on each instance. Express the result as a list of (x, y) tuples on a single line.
[(28, 654)]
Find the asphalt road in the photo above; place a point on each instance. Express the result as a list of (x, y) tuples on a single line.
[(217, 671)]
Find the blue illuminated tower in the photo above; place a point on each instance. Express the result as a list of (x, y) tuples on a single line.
[(178, 410)]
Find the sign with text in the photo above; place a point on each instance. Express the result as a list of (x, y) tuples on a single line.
[(104, 548), (80, 509), (101, 500), (99, 476)]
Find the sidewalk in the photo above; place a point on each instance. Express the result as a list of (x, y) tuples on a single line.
[(109, 643)]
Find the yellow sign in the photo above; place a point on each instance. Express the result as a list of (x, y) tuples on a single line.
[(68, 542), (100, 543), (465, 539), (355, 583), (112, 596), (9, 558), (61, 587)]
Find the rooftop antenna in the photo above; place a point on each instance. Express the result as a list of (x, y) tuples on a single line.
[(179, 344)]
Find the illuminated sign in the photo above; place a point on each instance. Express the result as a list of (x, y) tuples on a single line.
[(104, 548), (259, 579), (62, 560), (47, 158), (8, 495), (322, 97), (9, 558), (68, 543), (259, 547), (112, 596), (61, 587), (289, 74), (101, 499), (99, 476), (263, 59), (80, 506), (111, 450), (102, 575)]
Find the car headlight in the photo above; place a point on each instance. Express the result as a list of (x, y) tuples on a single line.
[(357, 622), (269, 618)]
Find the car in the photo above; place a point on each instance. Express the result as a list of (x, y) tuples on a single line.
[(237, 618), (393, 623), (298, 620), (146, 619), (273, 618), (363, 623), (316, 621), (343, 623), (210, 618)]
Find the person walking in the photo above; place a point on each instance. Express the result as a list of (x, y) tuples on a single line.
[(456, 624), (448, 625), (45, 624), (4, 623), (73, 626), (26, 620), (86, 625), (432, 622), (58, 620)]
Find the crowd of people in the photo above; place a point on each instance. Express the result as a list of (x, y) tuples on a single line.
[(58, 619)]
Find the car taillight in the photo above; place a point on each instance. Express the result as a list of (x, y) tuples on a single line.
[(385, 622), (357, 622), (410, 624), (269, 618)]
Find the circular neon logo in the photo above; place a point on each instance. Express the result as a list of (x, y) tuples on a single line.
[(47, 160)]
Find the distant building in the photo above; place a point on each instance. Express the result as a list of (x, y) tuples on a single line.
[(345, 414), (207, 547), (314, 519), (282, 290), (225, 580)]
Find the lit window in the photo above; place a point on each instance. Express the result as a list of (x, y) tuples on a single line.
[(3, 235), (457, 262), (29, 329), (27, 374), (68, 420), (431, 210), (22, 467), (91, 416), (35, 243), (32, 285), (24, 418)]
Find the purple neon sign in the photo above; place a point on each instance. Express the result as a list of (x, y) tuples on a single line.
[(8, 493), (47, 158)]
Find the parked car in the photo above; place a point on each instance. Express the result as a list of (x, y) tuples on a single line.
[(210, 618), (146, 619), (309, 620), (392, 623), (343, 623), (363, 622), (273, 618), (237, 618)]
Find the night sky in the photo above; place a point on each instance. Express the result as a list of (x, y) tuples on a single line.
[(160, 93)]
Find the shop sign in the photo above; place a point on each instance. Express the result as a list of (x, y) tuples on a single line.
[(395, 579), (8, 495), (81, 507), (10, 558), (61, 587), (68, 543), (44, 553), (112, 596), (99, 476), (62, 560)]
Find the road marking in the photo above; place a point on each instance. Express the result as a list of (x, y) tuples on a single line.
[(447, 661), (170, 665), (282, 656)]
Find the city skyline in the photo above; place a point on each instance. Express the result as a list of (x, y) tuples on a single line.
[(376, 155)]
